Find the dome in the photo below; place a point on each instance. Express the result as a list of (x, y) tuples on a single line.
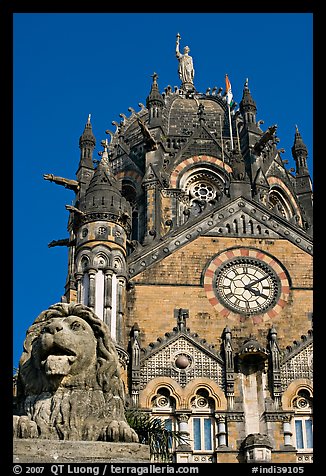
[(183, 114)]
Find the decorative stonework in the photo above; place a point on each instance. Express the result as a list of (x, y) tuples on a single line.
[(297, 363), (163, 364)]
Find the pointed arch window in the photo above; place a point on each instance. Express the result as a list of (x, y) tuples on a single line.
[(279, 203)]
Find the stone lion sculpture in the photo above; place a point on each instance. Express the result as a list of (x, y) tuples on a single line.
[(68, 384)]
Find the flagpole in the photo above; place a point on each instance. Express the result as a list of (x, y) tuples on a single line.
[(231, 136), (222, 142), (229, 97)]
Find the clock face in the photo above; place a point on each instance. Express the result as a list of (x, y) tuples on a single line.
[(247, 285)]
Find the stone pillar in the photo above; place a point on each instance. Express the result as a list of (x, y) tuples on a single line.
[(79, 277), (287, 431), (107, 296), (183, 451), (221, 430)]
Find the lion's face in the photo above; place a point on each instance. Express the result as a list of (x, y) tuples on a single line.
[(66, 345), (69, 384)]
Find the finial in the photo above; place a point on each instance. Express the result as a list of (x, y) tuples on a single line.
[(104, 153), (89, 119), (154, 76), (246, 84)]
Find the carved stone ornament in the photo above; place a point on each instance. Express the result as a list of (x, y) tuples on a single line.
[(69, 386)]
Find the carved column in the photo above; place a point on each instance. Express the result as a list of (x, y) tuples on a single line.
[(135, 364), (121, 287), (107, 296), (91, 294), (275, 367), (229, 366)]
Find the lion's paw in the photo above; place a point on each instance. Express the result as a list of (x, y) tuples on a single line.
[(119, 431), (24, 427)]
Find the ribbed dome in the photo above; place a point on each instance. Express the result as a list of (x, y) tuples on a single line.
[(183, 114), (103, 193)]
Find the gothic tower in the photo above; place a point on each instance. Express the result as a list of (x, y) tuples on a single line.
[(192, 240)]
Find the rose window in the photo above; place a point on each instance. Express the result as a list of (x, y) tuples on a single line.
[(203, 191)]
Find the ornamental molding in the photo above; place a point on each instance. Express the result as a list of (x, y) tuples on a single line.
[(214, 223)]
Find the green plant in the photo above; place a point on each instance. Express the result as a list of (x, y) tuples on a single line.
[(152, 431)]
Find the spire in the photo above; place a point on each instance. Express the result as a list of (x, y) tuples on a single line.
[(247, 105), (154, 103), (87, 144), (299, 153)]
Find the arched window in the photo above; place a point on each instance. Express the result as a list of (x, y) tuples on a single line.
[(302, 428), (164, 404), (203, 187), (279, 203), (202, 423)]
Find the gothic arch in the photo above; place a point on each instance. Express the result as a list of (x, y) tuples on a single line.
[(281, 193), (292, 391), (213, 390), (198, 163), (83, 259), (152, 388)]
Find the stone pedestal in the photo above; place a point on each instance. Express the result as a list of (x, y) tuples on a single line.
[(53, 451)]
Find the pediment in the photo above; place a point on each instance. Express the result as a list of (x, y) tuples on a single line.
[(181, 356), (240, 217)]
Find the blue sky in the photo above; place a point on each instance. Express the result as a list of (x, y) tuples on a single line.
[(67, 65)]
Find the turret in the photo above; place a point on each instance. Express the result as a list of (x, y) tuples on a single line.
[(300, 153), (303, 180), (248, 107), (102, 228)]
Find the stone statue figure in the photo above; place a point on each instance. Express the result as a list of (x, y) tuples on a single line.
[(186, 67), (69, 385)]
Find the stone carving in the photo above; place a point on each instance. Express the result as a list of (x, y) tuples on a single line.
[(69, 386), (237, 164)]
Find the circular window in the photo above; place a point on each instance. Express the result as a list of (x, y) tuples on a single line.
[(203, 191)]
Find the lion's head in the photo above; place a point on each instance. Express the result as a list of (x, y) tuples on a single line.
[(68, 381)]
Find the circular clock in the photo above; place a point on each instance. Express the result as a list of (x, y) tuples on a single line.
[(247, 285)]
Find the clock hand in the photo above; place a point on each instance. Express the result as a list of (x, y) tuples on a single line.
[(256, 292), (247, 286)]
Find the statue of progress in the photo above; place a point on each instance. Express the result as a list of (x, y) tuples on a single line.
[(186, 68)]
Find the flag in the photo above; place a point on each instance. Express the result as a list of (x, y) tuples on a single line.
[(229, 95)]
